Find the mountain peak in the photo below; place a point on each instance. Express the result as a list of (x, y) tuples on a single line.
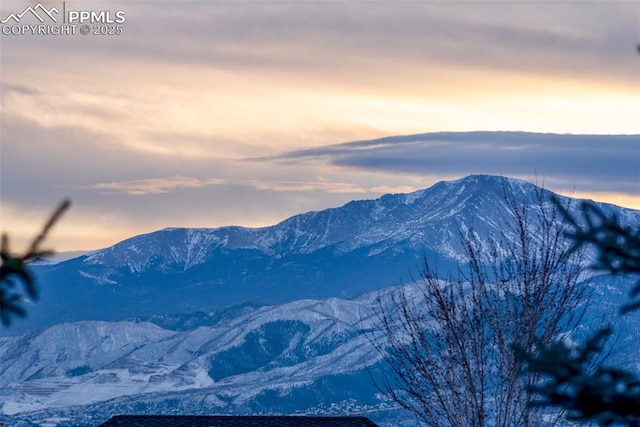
[(356, 224), (482, 182), (341, 252)]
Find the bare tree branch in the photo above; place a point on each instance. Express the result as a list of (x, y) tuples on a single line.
[(14, 267), (449, 346)]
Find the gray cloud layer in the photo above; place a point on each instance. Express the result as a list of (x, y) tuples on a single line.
[(590, 38), (602, 163), (558, 37)]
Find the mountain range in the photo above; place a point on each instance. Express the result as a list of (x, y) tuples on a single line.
[(233, 320)]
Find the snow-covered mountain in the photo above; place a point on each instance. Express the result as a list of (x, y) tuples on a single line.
[(305, 355), (341, 252), (236, 320)]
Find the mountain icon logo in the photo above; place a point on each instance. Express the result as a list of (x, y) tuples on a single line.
[(39, 11)]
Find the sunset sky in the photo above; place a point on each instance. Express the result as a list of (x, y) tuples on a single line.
[(212, 113)]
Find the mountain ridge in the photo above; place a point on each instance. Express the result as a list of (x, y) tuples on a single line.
[(291, 234), (338, 252), (285, 236)]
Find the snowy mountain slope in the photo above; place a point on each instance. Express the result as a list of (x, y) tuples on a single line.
[(390, 219), (276, 347), (307, 356), (340, 252)]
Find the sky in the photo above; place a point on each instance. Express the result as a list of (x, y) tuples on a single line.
[(213, 113)]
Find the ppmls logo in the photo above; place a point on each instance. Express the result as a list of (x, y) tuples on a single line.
[(16, 17), (40, 20)]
